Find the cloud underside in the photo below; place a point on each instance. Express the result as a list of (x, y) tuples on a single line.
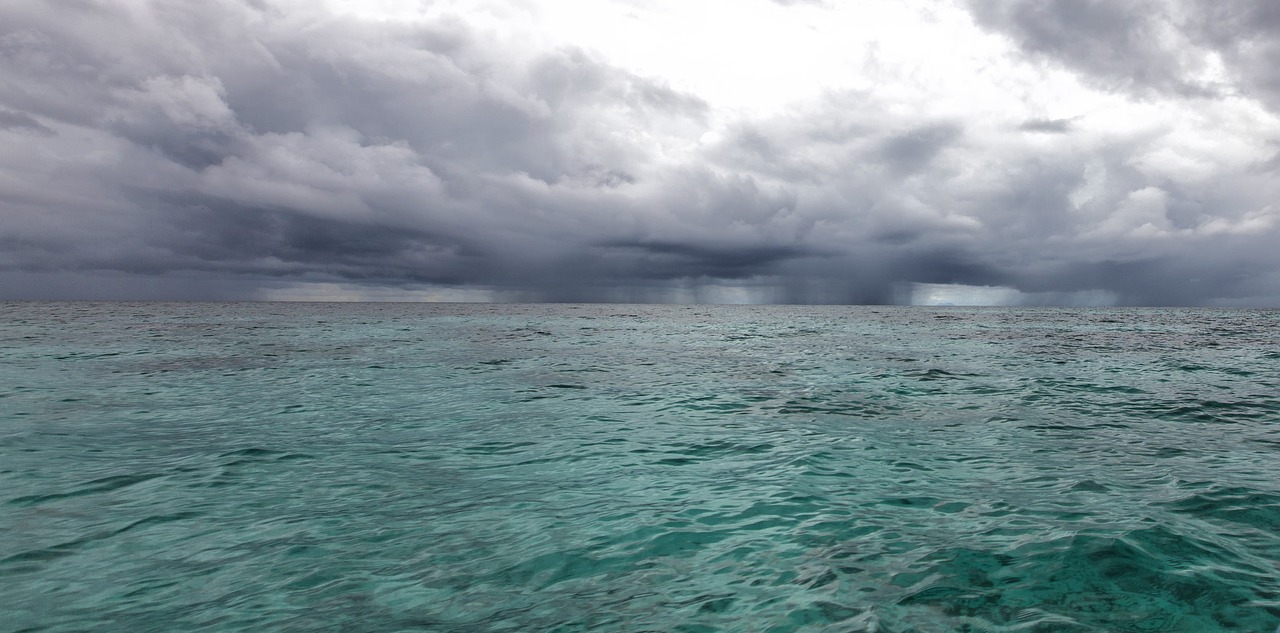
[(222, 147)]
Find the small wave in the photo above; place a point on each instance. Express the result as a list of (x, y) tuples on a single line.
[(1246, 507), (96, 486), (1220, 411)]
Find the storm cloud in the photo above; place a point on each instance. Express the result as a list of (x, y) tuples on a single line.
[(1192, 48), (260, 149)]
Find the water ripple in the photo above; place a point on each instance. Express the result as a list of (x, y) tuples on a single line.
[(477, 468)]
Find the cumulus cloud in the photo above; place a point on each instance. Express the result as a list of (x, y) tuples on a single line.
[(1190, 48), (223, 149)]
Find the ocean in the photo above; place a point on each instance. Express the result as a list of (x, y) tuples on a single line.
[(485, 468)]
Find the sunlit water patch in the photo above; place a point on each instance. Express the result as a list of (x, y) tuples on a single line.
[(637, 468)]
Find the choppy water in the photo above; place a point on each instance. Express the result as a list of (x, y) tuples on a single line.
[(637, 468)]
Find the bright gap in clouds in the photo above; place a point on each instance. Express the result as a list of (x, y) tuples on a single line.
[(756, 57), (348, 292), (922, 294), (962, 295)]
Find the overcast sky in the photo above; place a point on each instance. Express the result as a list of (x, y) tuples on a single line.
[(1084, 152)]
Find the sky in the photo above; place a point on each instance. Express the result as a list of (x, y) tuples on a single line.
[(990, 152)]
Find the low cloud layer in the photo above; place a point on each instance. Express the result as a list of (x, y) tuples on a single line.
[(255, 149)]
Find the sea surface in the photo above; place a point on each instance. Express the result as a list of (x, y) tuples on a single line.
[(485, 468)]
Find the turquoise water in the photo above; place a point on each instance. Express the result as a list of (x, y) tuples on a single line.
[(398, 467)]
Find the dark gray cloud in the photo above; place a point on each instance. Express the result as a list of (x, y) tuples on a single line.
[(1046, 126), (359, 151), (674, 260), (162, 149), (1122, 45), (910, 151), (1147, 47), (21, 121)]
